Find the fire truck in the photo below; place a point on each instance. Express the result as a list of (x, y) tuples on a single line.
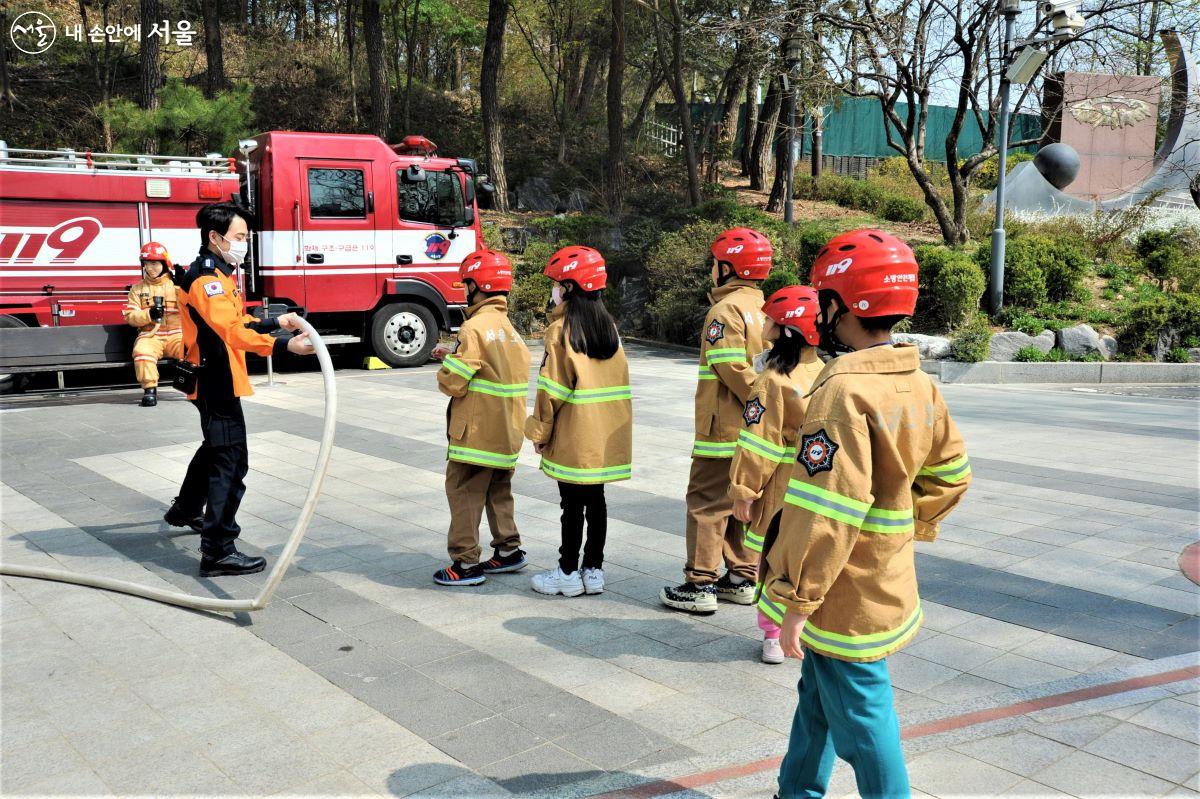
[(362, 237)]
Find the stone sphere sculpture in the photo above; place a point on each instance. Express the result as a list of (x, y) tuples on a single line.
[(1058, 163)]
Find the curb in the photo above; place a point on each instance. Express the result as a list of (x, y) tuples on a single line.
[(998, 372)]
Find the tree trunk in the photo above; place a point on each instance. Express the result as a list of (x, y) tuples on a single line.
[(7, 96), (150, 68), (377, 68), (783, 149), (675, 77), (350, 22), (750, 126), (215, 79), (489, 98), (652, 87), (410, 62), (764, 134), (615, 168), (456, 68), (818, 134)]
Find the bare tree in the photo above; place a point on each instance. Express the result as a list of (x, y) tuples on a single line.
[(489, 98), (669, 52), (764, 134), (615, 168), (214, 76), (377, 68), (351, 21)]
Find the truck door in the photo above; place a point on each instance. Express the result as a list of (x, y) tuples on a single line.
[(336, 235), (433, 233)]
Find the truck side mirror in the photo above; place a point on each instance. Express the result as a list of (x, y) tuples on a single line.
[(415, 173)]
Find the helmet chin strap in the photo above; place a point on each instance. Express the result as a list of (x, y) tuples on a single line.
[(725, 273), (828, 338)]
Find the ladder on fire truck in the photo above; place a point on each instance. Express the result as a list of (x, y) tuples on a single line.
[(86, 160)]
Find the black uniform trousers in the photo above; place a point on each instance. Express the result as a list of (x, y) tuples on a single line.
[(214, 479), (580, 502)]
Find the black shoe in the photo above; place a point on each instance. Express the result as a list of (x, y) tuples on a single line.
[(740, 594), (690, 597), (177, 517), (502, 564), (149, 398), (233, 563), (460, 574)]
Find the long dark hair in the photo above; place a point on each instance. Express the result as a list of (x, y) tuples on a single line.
[(590, 328), (785, 353)]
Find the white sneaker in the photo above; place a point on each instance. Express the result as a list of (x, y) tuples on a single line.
[(593, 581), (772, 652), (555, 582)]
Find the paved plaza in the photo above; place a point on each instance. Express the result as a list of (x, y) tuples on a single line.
[(1058, 656)]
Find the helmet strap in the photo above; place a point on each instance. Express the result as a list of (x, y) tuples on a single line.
[(826, 329), (725, 272)]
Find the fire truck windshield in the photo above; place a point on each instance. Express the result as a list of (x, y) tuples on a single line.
[(439, 200)]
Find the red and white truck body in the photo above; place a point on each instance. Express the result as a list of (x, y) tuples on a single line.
[(363, 237)]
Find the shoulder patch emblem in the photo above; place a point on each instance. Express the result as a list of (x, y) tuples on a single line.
[(213, 288), (754, 411), (816, 452), (715, 332)]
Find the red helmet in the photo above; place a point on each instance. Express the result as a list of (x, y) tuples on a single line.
[(582, 265), (153, 251), (873, 272), (746, 250), (488, 269), (795, 307)]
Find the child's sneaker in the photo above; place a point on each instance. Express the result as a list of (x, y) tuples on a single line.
[(555, 582), (593, 581), (738, 593), (460, 574), (690, 597), (772, 652), (502, 564)]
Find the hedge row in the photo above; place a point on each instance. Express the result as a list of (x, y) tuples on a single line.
[(861, 195)]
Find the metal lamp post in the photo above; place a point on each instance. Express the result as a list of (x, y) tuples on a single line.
[(792, 47), (996, 293)]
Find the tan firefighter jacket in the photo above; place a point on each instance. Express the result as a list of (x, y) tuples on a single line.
[(732, 336), (583, 412), (879, 463), (766, 446), (487, 380), (141, 300)]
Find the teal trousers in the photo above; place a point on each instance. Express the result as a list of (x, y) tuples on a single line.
[(845, 710)]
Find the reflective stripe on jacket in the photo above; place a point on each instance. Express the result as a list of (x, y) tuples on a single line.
[(879, 462), (487, 380), (766, 446), (731, 337), (583, 412)]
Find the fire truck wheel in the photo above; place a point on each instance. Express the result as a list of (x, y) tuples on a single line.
[(12, 383), (403, 334)]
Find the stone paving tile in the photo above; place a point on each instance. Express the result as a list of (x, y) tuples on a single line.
[(1084, 774), (540, 769), (485, 742), (1147, 750), (954, 774)]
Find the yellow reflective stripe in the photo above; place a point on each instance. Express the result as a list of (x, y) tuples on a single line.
[(552, 388), (725, 355), (862, 646), (482, 457), (706, 373), (714, 449), (602, 474), (954, 471), (761, 446), (753, 541), (458, 367), (826, 503), (889, 522), (584, 396), (497, 389), (769, 609)]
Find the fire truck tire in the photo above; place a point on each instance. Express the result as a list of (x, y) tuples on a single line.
[(403, 334), (10, 384)]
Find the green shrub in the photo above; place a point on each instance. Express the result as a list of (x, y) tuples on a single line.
[(1024, 278), (1142, 322), (901, 209), (779, 278), (834, 188), (185, 121), (527, 302), (969, 344), (585, 229), (1027, 324), (988, 173), (1179, 355), (894, 167), (949, 289), (1161, 255), (1064, 268), (678, 280), (1030, 354)]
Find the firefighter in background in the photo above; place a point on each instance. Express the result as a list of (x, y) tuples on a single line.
[(771, 421), (732, 337), (153, 309), (217, 334), (879, 464), (486, 376)]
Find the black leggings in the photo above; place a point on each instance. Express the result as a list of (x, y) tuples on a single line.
[(579, 501)]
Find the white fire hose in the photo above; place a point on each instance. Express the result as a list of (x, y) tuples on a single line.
[(285, 557)]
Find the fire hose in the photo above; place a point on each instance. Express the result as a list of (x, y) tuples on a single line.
[(285, 557)]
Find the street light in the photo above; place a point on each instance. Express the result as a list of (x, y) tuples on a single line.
[(1066, 22), (792, 50)]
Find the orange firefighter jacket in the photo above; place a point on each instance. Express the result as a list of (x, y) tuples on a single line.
[(766, 446), (879, 463), (141, 300), (217, 331), (487, 380), (583, 412), (732, 336)]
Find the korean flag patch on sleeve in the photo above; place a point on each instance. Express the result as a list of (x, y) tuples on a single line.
[(213, 288), (816, 452)]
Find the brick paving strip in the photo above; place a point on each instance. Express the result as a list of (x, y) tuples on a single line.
[(663, 787)]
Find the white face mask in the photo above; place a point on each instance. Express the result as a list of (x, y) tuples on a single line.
[(236, 252), (556, 295)]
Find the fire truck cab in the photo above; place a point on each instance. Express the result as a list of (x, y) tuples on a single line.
[(364, 238)]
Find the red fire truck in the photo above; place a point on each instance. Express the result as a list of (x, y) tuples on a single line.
[(363, 237)]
